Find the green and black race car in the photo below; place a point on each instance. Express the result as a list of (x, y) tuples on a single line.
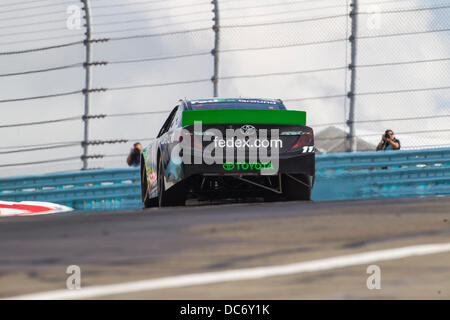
[(229, 148)]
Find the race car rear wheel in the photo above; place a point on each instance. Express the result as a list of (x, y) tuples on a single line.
[(296, 187), (173, 197)]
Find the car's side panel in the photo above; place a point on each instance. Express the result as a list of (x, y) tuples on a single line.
[(171, 158), (172, 167), (150, 155), (169, 146)]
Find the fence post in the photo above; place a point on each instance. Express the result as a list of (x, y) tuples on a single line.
[(215, 51), (86, 91), (351, 138)]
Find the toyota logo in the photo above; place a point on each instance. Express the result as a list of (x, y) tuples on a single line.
[(228, 166), (248, 129)]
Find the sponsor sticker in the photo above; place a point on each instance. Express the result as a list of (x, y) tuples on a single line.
[(245, 166)]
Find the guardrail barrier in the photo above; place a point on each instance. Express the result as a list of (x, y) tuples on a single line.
[(344, 176)]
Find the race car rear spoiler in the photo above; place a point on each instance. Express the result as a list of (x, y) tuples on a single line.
[(254, 116)]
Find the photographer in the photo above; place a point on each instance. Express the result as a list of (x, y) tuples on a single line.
[(388, 142), (134, 158)]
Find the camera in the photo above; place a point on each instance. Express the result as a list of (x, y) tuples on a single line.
[(387, 135)]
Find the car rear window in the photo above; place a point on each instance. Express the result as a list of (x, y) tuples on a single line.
[(236, 104)]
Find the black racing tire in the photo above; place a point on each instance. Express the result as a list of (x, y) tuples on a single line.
[(295, 190), (148, 202), (173, 197)]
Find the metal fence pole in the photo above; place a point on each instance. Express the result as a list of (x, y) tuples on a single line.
[(352, 142), (86, 91), (215, 51)]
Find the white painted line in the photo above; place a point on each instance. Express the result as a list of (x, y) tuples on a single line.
[(241, 274)]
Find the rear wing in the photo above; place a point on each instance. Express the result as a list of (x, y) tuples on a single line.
[(237, 116)]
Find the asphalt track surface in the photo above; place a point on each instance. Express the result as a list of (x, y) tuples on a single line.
[(120, 247)]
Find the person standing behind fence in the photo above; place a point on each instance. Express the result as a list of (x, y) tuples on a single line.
[(388, 142), (134, 158)]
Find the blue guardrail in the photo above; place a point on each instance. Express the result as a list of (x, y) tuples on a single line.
[(338, 177)]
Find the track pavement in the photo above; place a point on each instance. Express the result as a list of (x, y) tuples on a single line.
[(122, 247)]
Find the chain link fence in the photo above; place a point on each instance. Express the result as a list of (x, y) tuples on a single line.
[(147, 54)]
